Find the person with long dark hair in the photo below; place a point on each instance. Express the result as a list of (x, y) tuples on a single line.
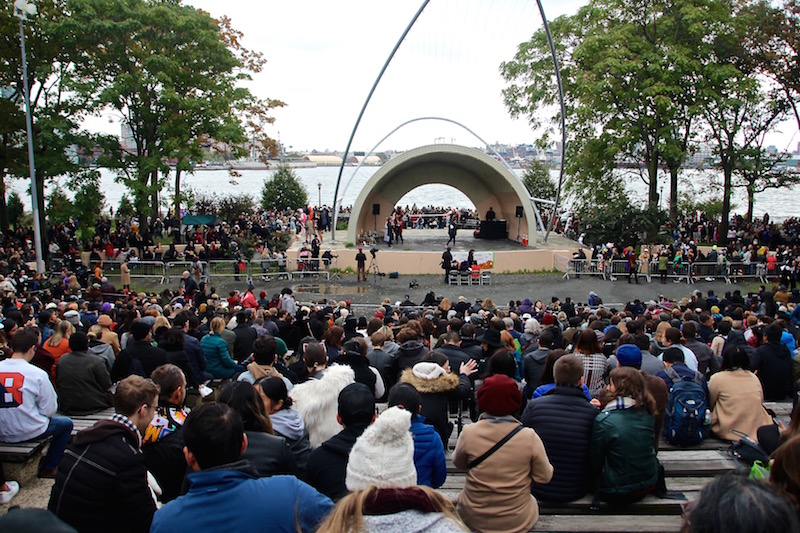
[(266, 452), (286, 422), (736, 397)]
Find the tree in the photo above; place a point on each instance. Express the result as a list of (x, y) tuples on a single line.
[(538, 182), (737, 111), (283, 190), (174, 74), (624, 79), (56, 111), (15, 209), (760, 170)]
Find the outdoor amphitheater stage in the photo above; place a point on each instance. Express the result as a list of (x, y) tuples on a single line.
[(421, 250)]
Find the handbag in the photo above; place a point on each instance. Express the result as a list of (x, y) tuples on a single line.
[(497, 446), (746, 451)]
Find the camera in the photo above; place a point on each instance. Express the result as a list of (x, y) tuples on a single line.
[(373, 251)]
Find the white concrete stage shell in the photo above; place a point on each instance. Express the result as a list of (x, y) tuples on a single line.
[(483, 179)]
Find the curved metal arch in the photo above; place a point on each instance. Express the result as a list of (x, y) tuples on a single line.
[(386, 65), (540, 224)]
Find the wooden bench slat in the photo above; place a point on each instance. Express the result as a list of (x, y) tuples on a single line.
[(606, 523)]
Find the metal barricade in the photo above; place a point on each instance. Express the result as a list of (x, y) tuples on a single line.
[(708, 270), (676, 274), (175, 269), (269, 269), (229, 268), (577, 267), (308, 266), (621, 268), (147, 269)]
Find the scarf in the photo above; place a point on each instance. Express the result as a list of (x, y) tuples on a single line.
[(619, 403), (390, 501)]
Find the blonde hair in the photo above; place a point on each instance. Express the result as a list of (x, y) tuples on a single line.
[(348, 514), (161, 320), (445, 304), (662, 327), (95, 332), (64, 330), (217, 325)]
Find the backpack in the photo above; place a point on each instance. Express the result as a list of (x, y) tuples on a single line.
[(684, 420)]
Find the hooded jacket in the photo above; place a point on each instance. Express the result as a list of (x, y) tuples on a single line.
[(101, 483), (327, 465), (534, 363), (435, 395), (773, 361), (410, 353), (288, 423)]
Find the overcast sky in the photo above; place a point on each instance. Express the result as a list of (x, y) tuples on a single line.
[(323, 57)]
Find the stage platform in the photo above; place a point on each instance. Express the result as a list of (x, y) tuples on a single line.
[(421, 252)]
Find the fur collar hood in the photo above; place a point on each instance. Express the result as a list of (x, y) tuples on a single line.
[(444, 383)]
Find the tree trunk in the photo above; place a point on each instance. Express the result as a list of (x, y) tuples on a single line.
[(154, 196), (177, 207), (673, 192), (652, 172), (751, 200), (4, 224), (727, 171)]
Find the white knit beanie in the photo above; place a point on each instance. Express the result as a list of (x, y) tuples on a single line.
[(427, 370), (383, 456)]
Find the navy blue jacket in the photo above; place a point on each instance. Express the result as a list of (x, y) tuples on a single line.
[(563, 420)]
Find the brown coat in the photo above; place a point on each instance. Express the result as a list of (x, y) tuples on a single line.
[(736, 397), (497, 493), (110, 338), (124, 275)]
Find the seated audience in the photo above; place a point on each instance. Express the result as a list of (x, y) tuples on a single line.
[(563, 419), (429, 459), (215, 440), (327, 464), (82, 379), (497, 492), (267, 453), (381, 476), (102, 482)]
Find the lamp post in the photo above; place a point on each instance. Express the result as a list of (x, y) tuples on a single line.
[(22, 9), (319, 198)]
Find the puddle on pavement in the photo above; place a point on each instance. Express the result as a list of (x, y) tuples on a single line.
[(331, 289)]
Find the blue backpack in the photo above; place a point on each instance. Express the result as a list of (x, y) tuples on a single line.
[(684, 420)]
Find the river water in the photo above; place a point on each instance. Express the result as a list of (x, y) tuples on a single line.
[(320, 182)]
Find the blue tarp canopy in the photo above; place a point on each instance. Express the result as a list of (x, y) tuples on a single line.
[(197, 220)]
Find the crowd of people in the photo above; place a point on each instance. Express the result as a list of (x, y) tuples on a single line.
[(566, 399)]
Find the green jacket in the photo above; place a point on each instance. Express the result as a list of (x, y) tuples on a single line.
[(218, 362), (623, 459)]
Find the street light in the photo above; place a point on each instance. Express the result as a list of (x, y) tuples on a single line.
[(319, 198), (22, 9)]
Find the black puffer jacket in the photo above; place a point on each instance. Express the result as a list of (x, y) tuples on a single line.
[(435, 395), (102, 482), (563, 420)]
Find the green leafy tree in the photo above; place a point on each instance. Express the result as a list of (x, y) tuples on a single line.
[(57, 112), (125, 209), (59, 206), (624, 77), (15, 209), (283, 189), (538, 182), (737, 110), (174, 74)]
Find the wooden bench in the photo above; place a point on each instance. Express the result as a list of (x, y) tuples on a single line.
[(21, 452), (86, 421)]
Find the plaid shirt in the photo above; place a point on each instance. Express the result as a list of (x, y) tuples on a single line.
[(125, 421), (594, 367)]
